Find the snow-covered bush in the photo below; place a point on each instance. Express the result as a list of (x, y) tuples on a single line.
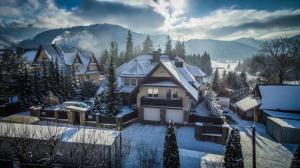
[(210, 97)]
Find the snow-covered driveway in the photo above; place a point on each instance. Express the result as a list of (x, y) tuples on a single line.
[(269, 153), (191, 150)]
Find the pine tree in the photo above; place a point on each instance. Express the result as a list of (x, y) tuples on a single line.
[(148, 46), (216, 81), (171, 153), (243, 79), (233, 153), (296, 159), (205, 63), (104, 61), (113, 100), (129, 47), (99, 105), (168, 49), (179, 49)]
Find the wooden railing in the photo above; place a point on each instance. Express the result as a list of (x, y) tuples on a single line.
[(146, 101)]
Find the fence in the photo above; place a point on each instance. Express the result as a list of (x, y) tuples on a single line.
[(91, 119), (205, 119)]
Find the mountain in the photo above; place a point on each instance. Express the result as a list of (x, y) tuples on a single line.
[(97, 37)]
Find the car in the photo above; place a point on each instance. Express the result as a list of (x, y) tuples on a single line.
[(76, 103)]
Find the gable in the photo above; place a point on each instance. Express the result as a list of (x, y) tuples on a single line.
[(161, 72), (42, 56)]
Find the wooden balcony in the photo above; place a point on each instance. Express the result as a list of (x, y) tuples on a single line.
[(156, 101)]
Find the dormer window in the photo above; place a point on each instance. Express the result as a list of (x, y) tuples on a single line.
[(130, 81), (152, 92)]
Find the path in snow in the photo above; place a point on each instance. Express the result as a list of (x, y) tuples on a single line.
[(191, 150), (269, 153)]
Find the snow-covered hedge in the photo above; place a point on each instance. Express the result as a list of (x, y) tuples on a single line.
[(210, 97)]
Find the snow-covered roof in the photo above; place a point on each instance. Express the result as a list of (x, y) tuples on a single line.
[(68, 134), (247, 103), (127, 89), (280, 97), (51, 52), (196, 71), (29, 56), (285, 115), (286, 122), (69, 55), (93, 136), (137, 67), (180, 78)]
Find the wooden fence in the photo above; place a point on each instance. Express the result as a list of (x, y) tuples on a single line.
[(205, 119)]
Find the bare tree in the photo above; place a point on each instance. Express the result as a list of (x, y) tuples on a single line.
[(147, 157), (278, 57)]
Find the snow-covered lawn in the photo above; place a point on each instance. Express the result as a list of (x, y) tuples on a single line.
[(191, 151), (269, 153)]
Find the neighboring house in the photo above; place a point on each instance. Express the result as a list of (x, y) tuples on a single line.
[(169, 92), (246, 107), (280, 111), (131, 75), (84, 63)]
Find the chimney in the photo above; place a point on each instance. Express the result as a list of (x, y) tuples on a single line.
[(156, 56), (178, 64)]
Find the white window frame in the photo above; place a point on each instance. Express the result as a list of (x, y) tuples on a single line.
[(152, 92)]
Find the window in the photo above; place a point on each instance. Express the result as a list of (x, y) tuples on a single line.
[(152, 92), (175, 94), (129, 81), (169, 94), (133, 82), (126, 81)]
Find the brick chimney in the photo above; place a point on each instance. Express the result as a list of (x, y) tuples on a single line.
[(156, 56)]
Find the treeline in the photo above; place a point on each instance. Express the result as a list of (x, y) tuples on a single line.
[(223, 83), (203, 61), (278, 61), (34, 84)]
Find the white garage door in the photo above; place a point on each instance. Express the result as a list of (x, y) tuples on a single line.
[(175, 115), (152, 114)]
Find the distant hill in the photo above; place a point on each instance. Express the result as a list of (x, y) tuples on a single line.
[(97, 37)]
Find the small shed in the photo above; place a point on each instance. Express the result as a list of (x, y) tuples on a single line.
[(284, 130), (278, 114), (245, 108)]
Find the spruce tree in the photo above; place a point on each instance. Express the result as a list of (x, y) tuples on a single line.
[(171, 153), (296, 159), (216, 81), (148, 46), (243, 79), (113, 100), (205, 63), (168, 48), (99, 105), (233, 153), (129, 47)]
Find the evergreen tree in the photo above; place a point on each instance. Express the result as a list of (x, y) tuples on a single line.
[(75, 85), (236, 83), (216, 81), (148, 45), (171, 153), (168, 49), (238, 67), (243, 79), (129, 47), (179, 49), (205, 63), (233, 153), (99, 105), (296, 159), (25, 85), (104, 61), (113, 100)]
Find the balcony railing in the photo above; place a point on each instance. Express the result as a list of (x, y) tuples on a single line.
[(155, 101)]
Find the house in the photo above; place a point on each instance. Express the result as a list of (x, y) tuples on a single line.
[(69, 142), (280, 111), (132, 74), (84, 63), (169, 92), (246, 107)]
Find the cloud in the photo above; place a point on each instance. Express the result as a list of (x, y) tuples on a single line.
[(236, 23)]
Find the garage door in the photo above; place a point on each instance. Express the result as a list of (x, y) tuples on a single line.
[(175, 115), (152, 114)]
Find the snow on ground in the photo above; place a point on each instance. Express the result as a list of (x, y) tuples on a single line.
[(201, 110), (191, 151), (269, 153), (229, 65), (125, 110)]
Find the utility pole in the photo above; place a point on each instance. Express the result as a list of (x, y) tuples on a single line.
[(253, 137)]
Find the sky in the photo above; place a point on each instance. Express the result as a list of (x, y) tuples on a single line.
[(181, 19)]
